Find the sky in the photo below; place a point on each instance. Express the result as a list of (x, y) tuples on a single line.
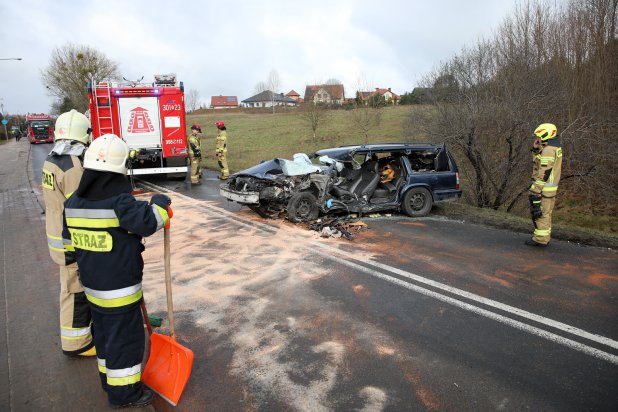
[(228, 47)]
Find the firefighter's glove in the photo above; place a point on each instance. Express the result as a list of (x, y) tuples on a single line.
[(197, 153), (162, 201), (535, 206), (132, 154)]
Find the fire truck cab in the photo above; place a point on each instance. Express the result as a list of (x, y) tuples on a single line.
[(150, 117), (39, 126)]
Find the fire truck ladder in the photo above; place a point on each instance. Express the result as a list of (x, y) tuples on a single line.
[(103, 104)]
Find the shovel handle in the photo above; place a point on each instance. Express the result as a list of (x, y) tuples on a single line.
[(146, 319), (168, 280)]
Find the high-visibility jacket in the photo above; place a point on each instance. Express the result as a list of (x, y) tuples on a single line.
[(60, 178), (221, 146), (547, 168), (107, 238), (195, 142)]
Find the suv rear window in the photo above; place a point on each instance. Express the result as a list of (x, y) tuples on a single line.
[(429, 161)]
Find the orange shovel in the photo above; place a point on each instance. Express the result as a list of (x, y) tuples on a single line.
[(169, 364)]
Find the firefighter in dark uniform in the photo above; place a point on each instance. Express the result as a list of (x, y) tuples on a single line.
[(195, 153), (546, 170), (221, 149), (62, 171), (105, 224)]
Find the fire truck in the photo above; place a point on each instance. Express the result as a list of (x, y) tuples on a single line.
[(39, 128), (150, 117)]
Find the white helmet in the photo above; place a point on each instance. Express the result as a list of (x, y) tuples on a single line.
[(107, 153), (72, 126)]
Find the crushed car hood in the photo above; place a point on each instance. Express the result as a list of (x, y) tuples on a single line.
[(268, 169)]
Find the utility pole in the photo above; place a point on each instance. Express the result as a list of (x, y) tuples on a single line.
[(4, 121)]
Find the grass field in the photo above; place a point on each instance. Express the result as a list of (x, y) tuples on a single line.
[(262, 136), (253, 137)]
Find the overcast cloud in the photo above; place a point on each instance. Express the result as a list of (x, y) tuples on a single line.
[(227, 47)]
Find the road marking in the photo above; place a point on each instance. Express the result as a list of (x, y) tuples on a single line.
[(483, 312), (346, 257), (480, 299)]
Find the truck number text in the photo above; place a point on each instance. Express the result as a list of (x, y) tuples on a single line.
[(174, 141), (171, 107)]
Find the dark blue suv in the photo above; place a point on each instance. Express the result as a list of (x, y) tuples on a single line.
[(368, 178)]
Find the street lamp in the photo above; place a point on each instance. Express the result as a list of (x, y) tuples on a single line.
[(12, 58)]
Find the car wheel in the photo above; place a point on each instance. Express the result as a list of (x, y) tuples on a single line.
[(303, 207), (417, 202)]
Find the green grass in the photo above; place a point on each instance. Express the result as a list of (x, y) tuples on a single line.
[(262, 136)]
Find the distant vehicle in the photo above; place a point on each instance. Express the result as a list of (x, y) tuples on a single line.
[(150, 117), (349, 179), (40, 128)]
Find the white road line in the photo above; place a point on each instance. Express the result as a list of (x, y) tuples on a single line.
[(331, 253), (483, 312), (480, 299)]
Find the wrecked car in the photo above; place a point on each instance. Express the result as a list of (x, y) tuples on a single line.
[(407, 177)]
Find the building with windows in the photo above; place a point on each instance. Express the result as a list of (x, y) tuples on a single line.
[(268, 99), (325, 93), (223, 102)]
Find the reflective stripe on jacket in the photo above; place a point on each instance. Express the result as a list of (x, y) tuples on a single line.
[(194, 140), (547, 168), (106, 236), (221, 146), (60, 178)]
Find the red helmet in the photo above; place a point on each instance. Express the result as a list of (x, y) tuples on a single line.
[(219, 123), (196, 127)]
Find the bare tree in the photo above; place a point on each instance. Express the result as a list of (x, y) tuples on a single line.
[(70, 69), (192, 100), (273, 83), (315, 115), (260, 87), (367, 113), (333, 81), (544, 64)]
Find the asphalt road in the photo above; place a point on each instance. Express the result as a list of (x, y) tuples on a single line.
[(413, 314)]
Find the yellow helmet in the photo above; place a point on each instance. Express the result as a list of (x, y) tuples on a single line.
[(546, 131)]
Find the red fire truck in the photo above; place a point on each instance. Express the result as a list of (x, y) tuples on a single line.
[(40, 128), (150, 117)]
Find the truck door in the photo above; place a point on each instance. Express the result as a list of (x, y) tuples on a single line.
[(140, 124)]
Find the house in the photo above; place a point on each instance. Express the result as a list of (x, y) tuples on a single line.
[(223, 102), (325, 93), (389, 96), (292, 94), (268, 99)]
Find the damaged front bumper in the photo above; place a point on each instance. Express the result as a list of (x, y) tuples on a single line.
[(248, 198)]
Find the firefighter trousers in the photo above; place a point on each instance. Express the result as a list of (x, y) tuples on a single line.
[(222, 160), (196, 169), (119, 340), (542, 226), (75, 317)]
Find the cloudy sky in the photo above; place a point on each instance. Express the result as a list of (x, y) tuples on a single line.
[(227, 47)]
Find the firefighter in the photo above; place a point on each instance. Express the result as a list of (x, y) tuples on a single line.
[(547, 165), (221, 149), (62, 171), (195, 153), (104, 225)]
